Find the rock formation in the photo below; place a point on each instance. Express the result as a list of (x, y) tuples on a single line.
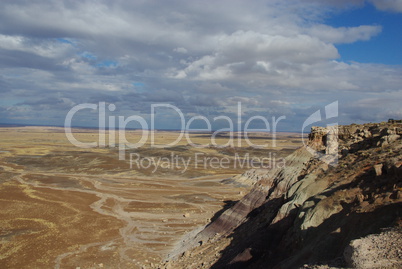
[(344, 184)]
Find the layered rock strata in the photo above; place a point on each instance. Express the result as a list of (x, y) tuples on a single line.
[(344, 184)]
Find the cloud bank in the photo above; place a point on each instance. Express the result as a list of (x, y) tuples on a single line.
[(276, 57)]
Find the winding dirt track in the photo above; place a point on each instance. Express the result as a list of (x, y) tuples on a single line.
[(155, 213)]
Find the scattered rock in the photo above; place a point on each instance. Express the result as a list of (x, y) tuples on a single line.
[(382, 250), (378, 169)]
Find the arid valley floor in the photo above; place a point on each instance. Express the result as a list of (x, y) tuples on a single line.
[(68, 207)]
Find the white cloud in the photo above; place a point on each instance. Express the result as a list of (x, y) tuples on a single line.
[(45, 48), (180, 50), (344, 34), (11, 42), (250, 45), (388, 5), (245, 52)]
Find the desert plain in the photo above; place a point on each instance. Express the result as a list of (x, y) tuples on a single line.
[(62, 206)]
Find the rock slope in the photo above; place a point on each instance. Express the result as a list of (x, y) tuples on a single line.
[(344, 184)]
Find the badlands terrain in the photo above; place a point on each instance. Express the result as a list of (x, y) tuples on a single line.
[(334, 201), (336, 204), (69, 207)]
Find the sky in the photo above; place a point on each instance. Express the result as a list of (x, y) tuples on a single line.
[(276, 58)]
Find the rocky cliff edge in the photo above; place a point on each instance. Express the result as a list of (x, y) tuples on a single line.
[(342, 186)]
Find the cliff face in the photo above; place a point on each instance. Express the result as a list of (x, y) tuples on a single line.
[(311, 209)]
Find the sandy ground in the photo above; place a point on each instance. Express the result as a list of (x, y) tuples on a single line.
[(66, 207)]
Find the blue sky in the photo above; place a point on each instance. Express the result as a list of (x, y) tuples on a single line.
[(277, 58), (382, 49)]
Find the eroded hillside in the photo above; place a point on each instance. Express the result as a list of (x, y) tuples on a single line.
[(308, 212)]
